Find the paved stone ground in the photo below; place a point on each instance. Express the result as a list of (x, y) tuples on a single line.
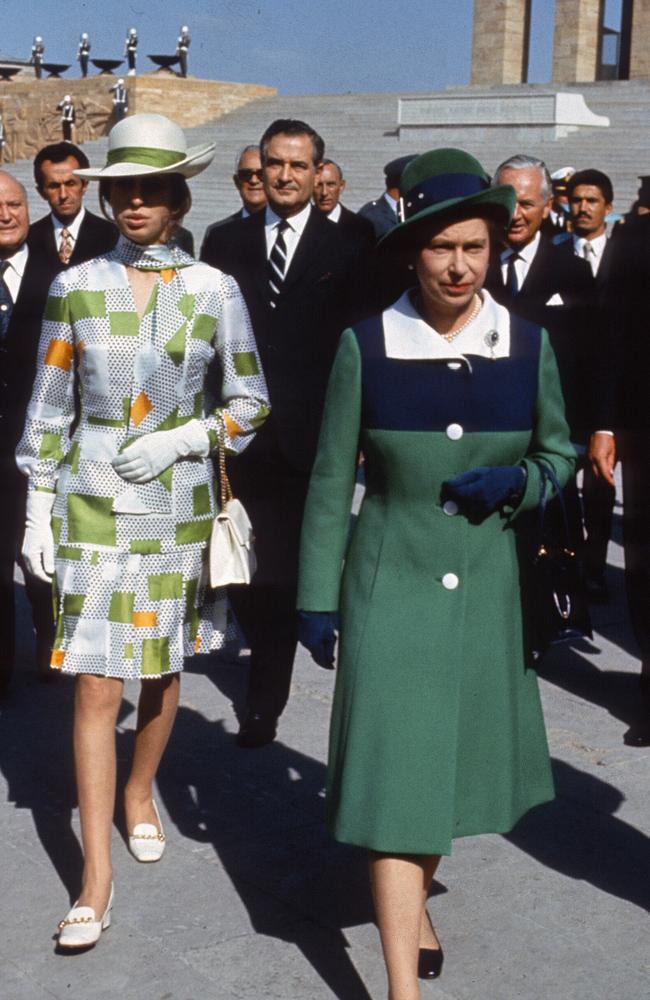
[(253, 900)]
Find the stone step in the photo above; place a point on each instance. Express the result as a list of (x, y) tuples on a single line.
[(360, 133)]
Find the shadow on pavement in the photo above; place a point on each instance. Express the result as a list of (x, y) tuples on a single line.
[(262, 811), (36, 761), (579, 836), (614, 690)]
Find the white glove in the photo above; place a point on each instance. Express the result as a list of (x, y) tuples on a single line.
[(38, 543), (151, 454)]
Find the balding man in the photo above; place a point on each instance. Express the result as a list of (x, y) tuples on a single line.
[(328, 188), (23, 292)]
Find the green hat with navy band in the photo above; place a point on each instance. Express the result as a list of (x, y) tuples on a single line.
[(143, 145), (437, 183)]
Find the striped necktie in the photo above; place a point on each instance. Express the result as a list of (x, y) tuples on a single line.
[(6, 302), (277, 264), (65, 247)]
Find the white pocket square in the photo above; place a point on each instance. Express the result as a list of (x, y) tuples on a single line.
[(555, 300)]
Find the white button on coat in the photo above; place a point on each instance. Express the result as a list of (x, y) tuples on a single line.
[(454, 432), (450, 507), (450, 581)]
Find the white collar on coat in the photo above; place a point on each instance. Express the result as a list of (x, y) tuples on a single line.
[(407, 337)]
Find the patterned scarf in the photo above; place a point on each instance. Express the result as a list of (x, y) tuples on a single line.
[(158, 257)]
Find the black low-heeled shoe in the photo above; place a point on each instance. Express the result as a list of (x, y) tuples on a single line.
[(430, 959)]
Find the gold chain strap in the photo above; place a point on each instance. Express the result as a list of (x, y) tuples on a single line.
[(225, 490)]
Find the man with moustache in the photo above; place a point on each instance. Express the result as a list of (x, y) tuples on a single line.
[(591, 195), (296, 271), (330, 185), (23, 292), (69, 234)]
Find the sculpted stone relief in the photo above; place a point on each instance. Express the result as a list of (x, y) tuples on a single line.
[(31, 123)]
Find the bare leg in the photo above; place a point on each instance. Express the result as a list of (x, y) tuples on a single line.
[(156, 713), (97, 701), (428, 938), (399, 886)]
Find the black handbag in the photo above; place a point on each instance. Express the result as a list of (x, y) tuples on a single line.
[(556, 600)]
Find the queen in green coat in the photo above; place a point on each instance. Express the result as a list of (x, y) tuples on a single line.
[(437, 729)]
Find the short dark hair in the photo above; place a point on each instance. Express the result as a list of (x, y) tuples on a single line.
[(180, 197), (293, 126), (596, 178), (57, 152)]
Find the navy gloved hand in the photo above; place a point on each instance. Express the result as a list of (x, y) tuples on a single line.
[(317, 631), (481, 491)]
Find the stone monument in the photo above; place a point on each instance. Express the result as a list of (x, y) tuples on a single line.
[(585, 49)]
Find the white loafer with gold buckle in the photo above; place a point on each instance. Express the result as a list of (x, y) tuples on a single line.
[(81, 929), (147, 842)]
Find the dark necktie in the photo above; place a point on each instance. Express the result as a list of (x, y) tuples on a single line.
[(512, 282), (6, 302), (277, 264)]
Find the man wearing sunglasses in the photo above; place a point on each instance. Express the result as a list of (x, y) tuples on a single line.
[(248, 181)]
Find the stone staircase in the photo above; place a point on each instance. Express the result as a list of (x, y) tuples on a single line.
[(360, 133)]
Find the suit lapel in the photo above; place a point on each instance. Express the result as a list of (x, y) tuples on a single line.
[(309, 246)]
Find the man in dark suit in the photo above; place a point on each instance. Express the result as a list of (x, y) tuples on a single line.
[(383, 211), (23, 292), (622, 430), (296, 271), (542, 280), (247, 178), (590, 195), (69, 234), (330, 185)]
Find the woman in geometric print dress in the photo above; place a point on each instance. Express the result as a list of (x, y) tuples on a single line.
[(121, 513), (437, 730)]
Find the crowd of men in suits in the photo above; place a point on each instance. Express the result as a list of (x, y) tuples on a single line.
[(308, 266)]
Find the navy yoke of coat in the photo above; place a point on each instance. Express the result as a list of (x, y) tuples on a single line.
[(437, 730)]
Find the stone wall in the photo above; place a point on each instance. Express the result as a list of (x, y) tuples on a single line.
[(575, 44), (190, 102), (31, 119), (640, 49), (498, 41)]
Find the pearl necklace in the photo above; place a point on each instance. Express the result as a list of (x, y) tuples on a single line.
[(455, 333)]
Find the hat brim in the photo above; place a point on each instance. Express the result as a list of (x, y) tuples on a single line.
[(499, 201), (196, 159)]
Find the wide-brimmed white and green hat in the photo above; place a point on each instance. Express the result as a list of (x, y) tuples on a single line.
[(148, 144)]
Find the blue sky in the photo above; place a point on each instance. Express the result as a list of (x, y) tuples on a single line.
[(298, 46)]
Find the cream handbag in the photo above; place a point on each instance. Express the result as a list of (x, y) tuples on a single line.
[(232, 556)]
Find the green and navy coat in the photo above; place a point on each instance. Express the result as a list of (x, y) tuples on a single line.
[(437, 730)]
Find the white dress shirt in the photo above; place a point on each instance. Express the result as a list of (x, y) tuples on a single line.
[(14, 273), (522, 265), (596, 249), (292, 235), (335, 214), (408, 337), (72, 227)]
